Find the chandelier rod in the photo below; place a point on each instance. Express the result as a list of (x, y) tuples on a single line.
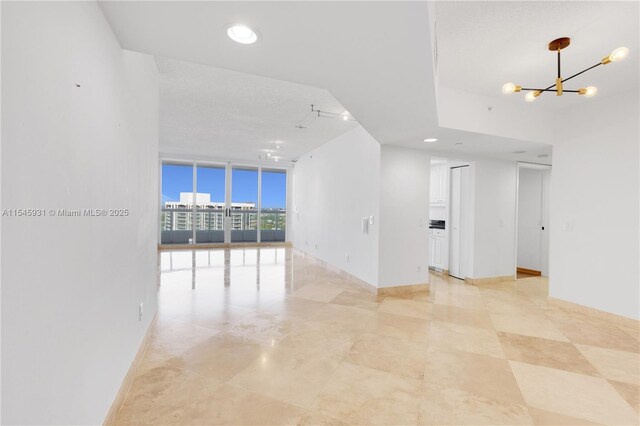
[(583, 71), (568, 78), (548, 89)]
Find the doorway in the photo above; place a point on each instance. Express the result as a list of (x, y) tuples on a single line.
[(532, 232), (450, 217)]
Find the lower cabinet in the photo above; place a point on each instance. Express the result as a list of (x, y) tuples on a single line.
[(438, 241)]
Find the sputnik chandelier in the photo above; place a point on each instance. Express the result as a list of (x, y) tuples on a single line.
[(556, 46)]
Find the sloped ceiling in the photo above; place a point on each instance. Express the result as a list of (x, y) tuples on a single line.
[(375, 58), (221, 113)]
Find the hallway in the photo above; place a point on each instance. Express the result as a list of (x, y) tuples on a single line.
[(268, 336)]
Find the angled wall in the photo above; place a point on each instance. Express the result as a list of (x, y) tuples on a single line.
[(404, 216), (352, 178), (79, 131), (494, 245), (335, 187), (595, 193)]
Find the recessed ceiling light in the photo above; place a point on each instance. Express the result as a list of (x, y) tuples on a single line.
[(242, 34), (431, 140)]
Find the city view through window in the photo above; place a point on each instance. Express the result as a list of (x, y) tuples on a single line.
[(180, 220)]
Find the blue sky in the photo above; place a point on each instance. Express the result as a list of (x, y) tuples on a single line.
[(177, 178)]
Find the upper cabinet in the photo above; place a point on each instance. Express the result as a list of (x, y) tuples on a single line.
[(438, 184)]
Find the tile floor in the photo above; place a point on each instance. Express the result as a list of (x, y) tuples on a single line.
[(267, 336)]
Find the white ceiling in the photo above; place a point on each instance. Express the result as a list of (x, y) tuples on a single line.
[(375, 58), (220, 113), (482, 45), (459, 144)]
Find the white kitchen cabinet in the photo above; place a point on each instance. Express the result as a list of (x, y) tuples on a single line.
[(438, 184), (438, 240)]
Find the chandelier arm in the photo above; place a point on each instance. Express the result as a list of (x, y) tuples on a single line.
[(568, 78), (583, 71), (549, 89)]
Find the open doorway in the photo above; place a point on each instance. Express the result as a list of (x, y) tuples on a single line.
[(449, 217), (532, 248)]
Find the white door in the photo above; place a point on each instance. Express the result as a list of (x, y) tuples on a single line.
[(458, 185)]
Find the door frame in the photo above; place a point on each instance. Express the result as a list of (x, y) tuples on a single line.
[(544, 240)]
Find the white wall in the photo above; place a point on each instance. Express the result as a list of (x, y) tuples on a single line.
[(494, 218), (509, 118), (529, 219), (594, 256), (71, 285), (404, 216), (335, 186)]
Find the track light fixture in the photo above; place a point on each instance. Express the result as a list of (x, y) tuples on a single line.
[(588, 92), (318, 113)]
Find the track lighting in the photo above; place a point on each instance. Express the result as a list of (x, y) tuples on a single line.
[(317, 113)]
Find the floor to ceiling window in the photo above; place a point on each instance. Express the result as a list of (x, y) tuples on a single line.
[(211, 203), (244, 205), (176, 218), (214, 203), (274, 205)]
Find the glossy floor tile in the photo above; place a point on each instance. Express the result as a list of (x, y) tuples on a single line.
[(576, 395), (267, 336)]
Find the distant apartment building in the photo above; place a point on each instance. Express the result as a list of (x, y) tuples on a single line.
[(209, 215)]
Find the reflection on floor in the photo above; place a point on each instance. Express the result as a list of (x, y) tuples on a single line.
[(266, 336)]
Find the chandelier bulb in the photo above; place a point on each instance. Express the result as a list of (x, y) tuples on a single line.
[(619, 54), (509, 88), (531, 96), (588, 92)]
